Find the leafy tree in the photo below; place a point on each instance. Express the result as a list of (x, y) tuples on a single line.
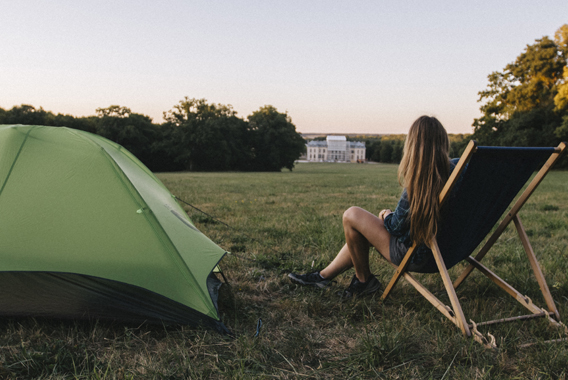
[(524, 103), (133, 131), (373, 149), (397, 151), (184, 122), (208, 136), (221, 144), (114, 111), (165, 150), (276, 144), (561, 38), (386, 151), (561, 98), (196, 135), (388, 148), (29, 115), (457, 145), (24, 114)]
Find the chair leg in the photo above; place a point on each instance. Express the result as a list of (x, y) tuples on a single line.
[(442, 308), (401, 269), (536, 267), (456, 306), (458, 317)]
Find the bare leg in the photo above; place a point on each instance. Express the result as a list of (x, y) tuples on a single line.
[(362, 229), (341, 263)]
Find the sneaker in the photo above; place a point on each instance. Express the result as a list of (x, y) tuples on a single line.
[(311, 279), (358, 288)]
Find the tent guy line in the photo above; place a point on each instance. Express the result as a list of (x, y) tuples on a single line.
[(231, 227)]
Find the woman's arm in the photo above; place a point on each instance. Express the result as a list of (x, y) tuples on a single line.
[(396, 222), (384, 213)]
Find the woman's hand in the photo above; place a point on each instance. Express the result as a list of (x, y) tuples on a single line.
[(384, 213)]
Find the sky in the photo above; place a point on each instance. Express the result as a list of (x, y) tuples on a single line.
[(351, 66)]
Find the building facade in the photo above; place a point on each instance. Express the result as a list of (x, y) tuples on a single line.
[(335, 149)]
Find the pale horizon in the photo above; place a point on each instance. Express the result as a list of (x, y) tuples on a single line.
[(363, 67)]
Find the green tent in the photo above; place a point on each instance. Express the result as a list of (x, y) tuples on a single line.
[(86, 230)]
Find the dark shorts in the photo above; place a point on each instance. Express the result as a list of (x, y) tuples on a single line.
[(398, 251)]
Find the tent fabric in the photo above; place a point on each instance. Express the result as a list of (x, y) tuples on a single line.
[(492, 179), (41, 294), (75, 204)]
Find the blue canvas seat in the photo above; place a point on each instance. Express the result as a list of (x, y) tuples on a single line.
[(478, 193)]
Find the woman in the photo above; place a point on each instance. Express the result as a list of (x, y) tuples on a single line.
[(423, 171)]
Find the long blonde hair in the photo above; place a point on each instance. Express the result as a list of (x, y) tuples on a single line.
[(423, 171)]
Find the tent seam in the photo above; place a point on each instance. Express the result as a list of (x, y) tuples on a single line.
[(188, 274), (16, 159)]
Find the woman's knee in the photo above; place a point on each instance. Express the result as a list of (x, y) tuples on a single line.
[(360, 219), (356, 214), (350, 215)]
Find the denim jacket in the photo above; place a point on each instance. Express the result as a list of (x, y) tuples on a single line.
[(398, 225)]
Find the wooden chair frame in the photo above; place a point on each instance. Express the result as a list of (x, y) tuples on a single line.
[(455, 312)]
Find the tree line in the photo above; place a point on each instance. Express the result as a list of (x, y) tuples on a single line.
[(195, 135), (388, 148), (525, 104)]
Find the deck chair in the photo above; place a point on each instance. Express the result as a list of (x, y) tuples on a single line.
[(481, 187)]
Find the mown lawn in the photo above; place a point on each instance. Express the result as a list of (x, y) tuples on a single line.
[(291, 221)]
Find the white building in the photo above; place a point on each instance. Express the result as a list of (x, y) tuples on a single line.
[(335, 149)]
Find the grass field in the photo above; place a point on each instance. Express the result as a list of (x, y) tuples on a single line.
[(291, 221)]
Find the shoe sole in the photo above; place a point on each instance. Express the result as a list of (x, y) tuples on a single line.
[(300, 282)]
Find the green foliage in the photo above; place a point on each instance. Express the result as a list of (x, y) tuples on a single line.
[(526, 104), (387, 149), (27, 114), (198, 136), (386, 152), (207, 137), (373, 149), (393, 145), (276, 144), (133, 131), (195, 136)]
